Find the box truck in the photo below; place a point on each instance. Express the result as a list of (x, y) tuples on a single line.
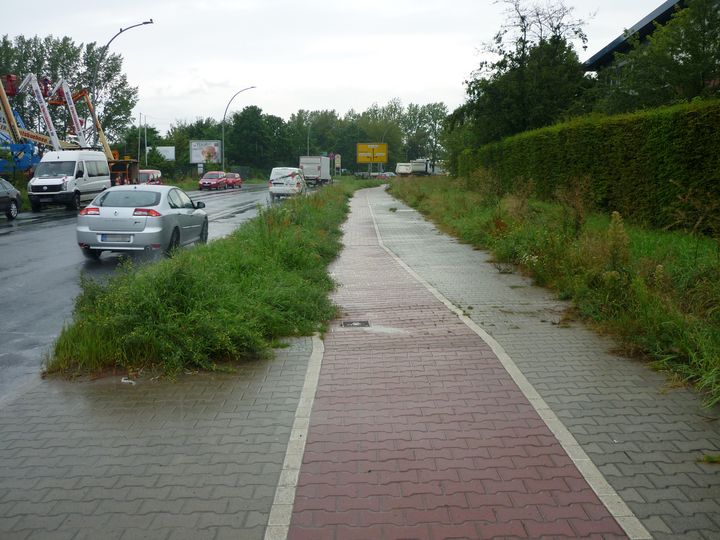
[(403, 169), (316, 169)]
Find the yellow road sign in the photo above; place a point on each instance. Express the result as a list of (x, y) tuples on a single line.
[(372, 153)]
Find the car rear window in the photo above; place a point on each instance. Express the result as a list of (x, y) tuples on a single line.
[(129, 199), (278, 174)]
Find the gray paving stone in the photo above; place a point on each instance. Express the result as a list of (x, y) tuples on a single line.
[(600, 397), (149, 461)]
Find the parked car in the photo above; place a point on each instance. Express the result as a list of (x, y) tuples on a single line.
[(9, 199), (140, 218), (213, 180), (286, 181), (385, 175), (150, 176), (233, 180)]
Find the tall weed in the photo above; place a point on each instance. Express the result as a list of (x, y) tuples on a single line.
[(657, 291)]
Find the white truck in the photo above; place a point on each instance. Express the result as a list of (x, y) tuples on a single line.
[(421, 166), (316, 169), (403, 169)]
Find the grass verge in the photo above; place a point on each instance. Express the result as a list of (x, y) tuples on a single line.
[(214, 304), (658, 291)]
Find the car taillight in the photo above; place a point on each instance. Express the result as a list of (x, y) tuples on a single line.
[(146, 212), (90, 211)]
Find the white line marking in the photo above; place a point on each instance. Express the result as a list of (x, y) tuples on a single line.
[(281, 510), (607, 495)]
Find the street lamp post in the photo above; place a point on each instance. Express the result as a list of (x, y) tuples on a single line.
[(223, 123), (93, 79)]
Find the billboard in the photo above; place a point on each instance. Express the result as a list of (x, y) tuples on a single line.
[(205, 152), (167, 152), (372, 153)]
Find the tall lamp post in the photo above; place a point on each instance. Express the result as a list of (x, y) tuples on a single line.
[(223, 123), (93, 80)]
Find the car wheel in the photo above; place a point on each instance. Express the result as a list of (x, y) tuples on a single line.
[(12, 210), (92, 254), (75, 204), (174, 242), (272, 197), (204, 233)]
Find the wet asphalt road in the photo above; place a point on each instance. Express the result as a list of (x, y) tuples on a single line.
[(40, 268)]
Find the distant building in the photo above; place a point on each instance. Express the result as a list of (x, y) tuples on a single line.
[(642, 29)]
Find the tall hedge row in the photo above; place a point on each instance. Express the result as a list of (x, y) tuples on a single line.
[(651, 166)]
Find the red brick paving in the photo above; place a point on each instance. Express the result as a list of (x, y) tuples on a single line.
[(417, 432)]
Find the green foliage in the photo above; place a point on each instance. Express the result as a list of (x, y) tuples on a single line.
[(661, 167), (81, 66), (658, 291), (680, 61), (219, 303)]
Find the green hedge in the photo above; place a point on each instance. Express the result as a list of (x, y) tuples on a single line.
[(652, 166)]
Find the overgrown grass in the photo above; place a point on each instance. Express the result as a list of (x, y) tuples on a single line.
[(658, 291), (215, 304)]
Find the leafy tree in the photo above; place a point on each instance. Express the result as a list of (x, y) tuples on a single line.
[(80, 66), (435, 115), (680, 61), (536, 74)]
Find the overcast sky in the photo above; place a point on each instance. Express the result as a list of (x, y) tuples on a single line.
[(310, 54)]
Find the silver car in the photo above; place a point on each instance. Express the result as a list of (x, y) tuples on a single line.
[(141, 217)]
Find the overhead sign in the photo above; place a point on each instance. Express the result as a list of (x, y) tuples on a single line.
[(205, 152), (372, 153)]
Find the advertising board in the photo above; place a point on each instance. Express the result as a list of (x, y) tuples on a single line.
[(205, 152), (167, 152)]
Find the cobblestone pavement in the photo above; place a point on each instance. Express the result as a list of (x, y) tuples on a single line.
[(646, 437), (197, 458), (417, 430)]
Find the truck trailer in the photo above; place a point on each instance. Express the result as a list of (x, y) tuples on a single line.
[(421, 166), (316, 169)]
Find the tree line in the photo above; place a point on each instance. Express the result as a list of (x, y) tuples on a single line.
[(261, 141)]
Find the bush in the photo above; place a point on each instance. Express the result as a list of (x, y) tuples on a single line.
[(660, 167)]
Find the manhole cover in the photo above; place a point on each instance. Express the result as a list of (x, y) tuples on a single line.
[(355, 324)]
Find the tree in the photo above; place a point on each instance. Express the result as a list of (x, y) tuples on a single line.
[(680, 61), (57, 58), (536, 74)]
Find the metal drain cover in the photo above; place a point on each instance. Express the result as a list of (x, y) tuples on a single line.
[(355, 324)]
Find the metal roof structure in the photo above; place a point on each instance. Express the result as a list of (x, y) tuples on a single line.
[(644, 28)]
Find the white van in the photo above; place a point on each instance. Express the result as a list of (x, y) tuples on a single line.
[(286, 181), (68, 177)]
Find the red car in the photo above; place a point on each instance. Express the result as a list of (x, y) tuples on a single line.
[(234, 180), (213, 180)]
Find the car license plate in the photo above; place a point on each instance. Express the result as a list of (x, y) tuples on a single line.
[(115, 238), (46, 199)]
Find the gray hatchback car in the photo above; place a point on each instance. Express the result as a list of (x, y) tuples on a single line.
[(140, 217)]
